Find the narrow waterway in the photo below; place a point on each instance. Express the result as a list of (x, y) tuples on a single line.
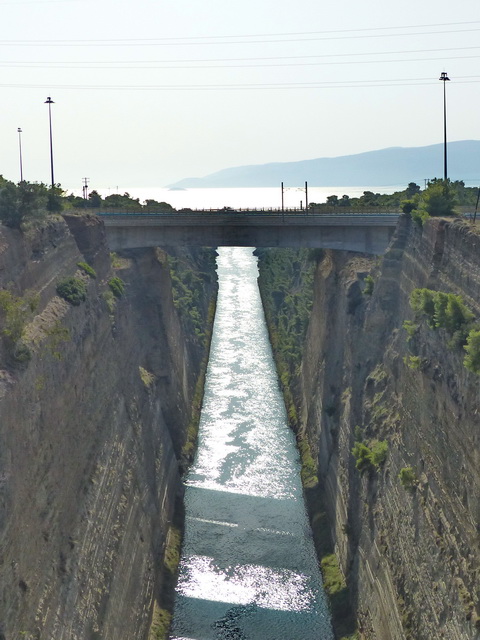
[(248, 569)]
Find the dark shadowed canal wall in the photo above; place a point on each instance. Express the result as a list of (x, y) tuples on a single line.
[(95, 422), (408, 546)]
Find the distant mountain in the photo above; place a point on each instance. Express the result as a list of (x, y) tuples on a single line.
[(392, 166)]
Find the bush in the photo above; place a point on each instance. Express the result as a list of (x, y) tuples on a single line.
[(309, 467), (109, 300), (86, 268), (413, 362), (25, 204), (370, 457), (442, 310), (408, 478), (420, 217), (362, 455), (438, 199), (369, 284), (411, 328), (146, 376), (422, 301), (117, 286), (333, 579), (379, 452), (472, 359), (73, 290), (15, 312)]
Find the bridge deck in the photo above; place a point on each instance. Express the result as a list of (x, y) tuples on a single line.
[(362, 232), (249, 218)]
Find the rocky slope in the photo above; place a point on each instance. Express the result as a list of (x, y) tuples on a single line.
[(410, 551), (95, 402)]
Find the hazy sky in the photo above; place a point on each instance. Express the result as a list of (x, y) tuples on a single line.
[(151, 91)]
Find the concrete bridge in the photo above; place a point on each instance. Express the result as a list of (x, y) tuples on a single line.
[(362, 232)]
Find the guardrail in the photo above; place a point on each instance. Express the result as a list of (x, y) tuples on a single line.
[(212, 220), (260, 211)]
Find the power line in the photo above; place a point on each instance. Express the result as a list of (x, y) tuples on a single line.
[(256, 66), (140, 42), (263, 35), (196, 61), (232, 87)]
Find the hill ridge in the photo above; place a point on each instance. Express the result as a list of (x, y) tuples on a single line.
[(388, 166)]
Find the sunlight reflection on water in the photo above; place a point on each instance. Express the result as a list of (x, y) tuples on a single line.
[(248, 570), (272, 588)]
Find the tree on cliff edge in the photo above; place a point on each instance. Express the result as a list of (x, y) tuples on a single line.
[(23, 203), (438, 200)]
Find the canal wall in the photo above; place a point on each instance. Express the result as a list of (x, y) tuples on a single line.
[(404, 525), (96, 422)]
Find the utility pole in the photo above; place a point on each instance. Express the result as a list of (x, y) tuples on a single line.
[(19, 130), (476, 206), (306, 197), (85, 190), (283, 210)]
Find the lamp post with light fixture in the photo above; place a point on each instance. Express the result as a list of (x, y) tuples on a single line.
[(444, 78), (49, 101)]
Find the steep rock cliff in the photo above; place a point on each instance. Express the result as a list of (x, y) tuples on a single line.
[(411, 557), (411, 554), (92, 423)]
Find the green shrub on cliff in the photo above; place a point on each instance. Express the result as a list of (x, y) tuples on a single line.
[(73, 290), (369, 284), (308, 465), (413, 362), (190, 281), (147, 377), (86, 268), (408, 478), (371, 456), (472, 359), (362, 455), (286, 285), (422, 302), (15, 311), (173, 548), (411, 328), (161, 621), (447, 311), (442, 310), (117, 286), (15, 314)]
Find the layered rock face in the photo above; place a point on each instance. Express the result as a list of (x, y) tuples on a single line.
[(92, 424), (410, 553)]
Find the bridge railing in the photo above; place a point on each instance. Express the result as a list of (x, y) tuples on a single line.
[(244, 212), (465, 211)]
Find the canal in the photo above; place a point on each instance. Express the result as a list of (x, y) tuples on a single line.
[(248, 568)]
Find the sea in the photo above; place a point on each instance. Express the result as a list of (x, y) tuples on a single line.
[(241, 198)]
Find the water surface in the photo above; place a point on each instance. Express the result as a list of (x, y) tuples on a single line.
[(248, 569)]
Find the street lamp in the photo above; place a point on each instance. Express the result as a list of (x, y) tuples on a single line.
[(20, 150), (444, 78), (49, 101)]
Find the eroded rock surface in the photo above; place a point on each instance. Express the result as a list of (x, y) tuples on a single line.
[(91, 431), (411, 554)]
